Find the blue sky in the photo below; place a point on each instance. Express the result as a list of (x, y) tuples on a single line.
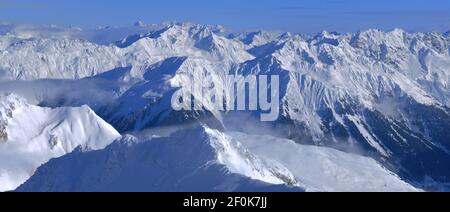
[(304, 16)]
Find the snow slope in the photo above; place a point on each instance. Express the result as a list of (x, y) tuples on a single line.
[(195, 159), (31, 135), (203, 159), (322, 168)]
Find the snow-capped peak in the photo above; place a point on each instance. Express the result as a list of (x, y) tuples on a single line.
[(31, 135), (139, 24)]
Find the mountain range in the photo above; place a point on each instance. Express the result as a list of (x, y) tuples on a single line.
[(379, 100)]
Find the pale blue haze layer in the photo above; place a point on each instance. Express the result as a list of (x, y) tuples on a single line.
[(305, 16)]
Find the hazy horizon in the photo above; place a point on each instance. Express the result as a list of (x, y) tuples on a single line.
[(294, 16)]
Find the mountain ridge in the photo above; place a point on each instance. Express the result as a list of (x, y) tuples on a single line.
[(203, 159), (31, 135), (388, 92)]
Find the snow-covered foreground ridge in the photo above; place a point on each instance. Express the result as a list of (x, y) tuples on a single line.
[(31, 135), (202, 159)]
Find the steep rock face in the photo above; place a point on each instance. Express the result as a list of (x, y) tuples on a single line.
[(31, 135)]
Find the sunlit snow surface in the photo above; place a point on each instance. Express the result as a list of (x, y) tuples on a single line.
[(382, 94), (33, 135), (325, 169), (202, 159)]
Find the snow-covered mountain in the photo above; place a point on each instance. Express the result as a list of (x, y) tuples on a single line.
[(73, 58), (31, 135), (380, 94), (203, 159)]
